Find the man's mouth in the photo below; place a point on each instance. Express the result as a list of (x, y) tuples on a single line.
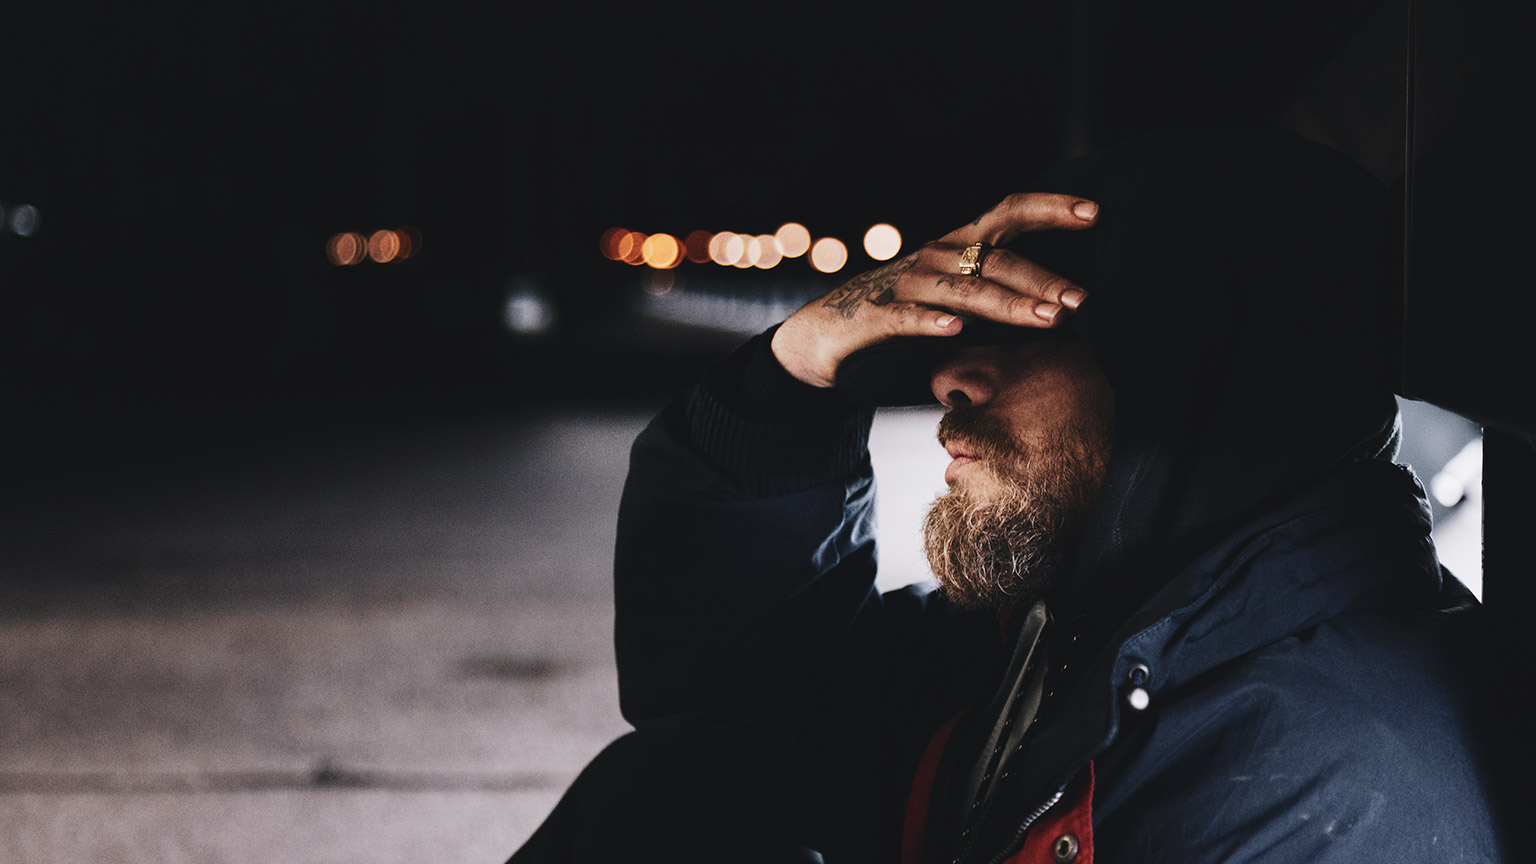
[(970, 436), (960, 455)]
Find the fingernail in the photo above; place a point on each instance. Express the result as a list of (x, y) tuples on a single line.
[(1085, 210), (1047, 311), (944, 321), (1073, 297)]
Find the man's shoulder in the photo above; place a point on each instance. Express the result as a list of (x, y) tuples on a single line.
[(1354, 673), (1358, 732)]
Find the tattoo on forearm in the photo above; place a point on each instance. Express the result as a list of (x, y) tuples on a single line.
[(877, 287)]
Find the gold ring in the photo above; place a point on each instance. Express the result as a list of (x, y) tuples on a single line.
[(971, 258)]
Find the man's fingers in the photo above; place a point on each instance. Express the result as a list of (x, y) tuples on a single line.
[(1009, 289), (1027, 211), (1036, 211), (917, 319), (983, 298), (1024, 276), (1020, 310)]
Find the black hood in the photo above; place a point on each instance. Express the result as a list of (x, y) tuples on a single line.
[(1241, 299)]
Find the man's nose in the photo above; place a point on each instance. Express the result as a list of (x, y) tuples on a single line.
[(965, 379)]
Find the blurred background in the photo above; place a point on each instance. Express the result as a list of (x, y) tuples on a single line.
[(328, 328)]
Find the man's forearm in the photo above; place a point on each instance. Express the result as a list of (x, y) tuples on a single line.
[(744, 544)]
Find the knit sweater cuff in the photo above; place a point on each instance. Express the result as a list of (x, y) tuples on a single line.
[(770, 433)]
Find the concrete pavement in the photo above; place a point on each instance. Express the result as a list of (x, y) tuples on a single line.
[(382, 647)]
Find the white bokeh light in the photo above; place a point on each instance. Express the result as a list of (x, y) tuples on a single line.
[(829, 255), (717, 248), (526, 311), (770, 253), (882, 242), (794, 239), (24, 220)]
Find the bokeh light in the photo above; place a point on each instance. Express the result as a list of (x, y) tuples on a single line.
[(661, 251), (736, 251), (410, 242), (753, 254), (383, 246), (794, 239), (24, 220), (526, 312), (631, 248), (660, 284), (623, 245), (751, 249), (696, 247), (829, 255), (413, 237), (608, 244), (882, 242), (346, 249), (769, 254), (719, 246)]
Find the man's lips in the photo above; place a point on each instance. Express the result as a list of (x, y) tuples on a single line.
[(952, 472), (960, 456)]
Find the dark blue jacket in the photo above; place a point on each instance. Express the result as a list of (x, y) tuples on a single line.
[(1255, 566), (1307, 677)]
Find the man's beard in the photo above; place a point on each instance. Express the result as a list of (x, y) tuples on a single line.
[(1012, 544)]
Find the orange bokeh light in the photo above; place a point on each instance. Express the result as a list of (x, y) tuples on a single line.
[(829, 255), (630, 248), (697, 247), (608, 244), (383, 246), (410, 242), (661, 251), (346, 249)]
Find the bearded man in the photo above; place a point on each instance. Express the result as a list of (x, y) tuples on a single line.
[(1188, 608), (1006, 528)]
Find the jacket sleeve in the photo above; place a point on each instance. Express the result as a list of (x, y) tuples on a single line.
[(753, 647), (745, 549)]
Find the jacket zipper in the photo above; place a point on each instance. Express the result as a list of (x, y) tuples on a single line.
[(1034, 816)]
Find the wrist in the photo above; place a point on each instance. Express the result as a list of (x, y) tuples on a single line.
[(792, 348), (769, 431)]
